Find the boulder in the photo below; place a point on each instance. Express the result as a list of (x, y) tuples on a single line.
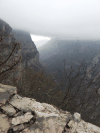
[(9, 109), (77, 117)]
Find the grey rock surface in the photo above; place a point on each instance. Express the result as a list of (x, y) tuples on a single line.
[(34, 117), (9, 54), (77, 117), (5, 93), (30, 54)]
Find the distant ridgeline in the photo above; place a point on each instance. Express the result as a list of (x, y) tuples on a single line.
[(74, 52)]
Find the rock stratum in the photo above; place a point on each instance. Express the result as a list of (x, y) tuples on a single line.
[(25, 115)]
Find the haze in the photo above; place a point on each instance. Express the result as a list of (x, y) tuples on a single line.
[(74, 19), (39, 40)]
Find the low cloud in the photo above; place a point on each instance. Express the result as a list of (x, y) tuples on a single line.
[(54, 18)]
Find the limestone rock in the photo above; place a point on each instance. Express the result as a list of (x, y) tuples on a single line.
[(4, 123), (10, 89), (18, 127), (22, 119), (6, 92), (19, 113), (77, 117), (49, 108), (46, 125), (30, 116), (82, 127), (9, 109), (25, 104)]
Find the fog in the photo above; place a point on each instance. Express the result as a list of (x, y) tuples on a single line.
[(69, 19)]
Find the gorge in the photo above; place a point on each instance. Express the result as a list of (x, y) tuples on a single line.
[(26, 115)]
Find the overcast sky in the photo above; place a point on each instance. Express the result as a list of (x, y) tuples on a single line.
[(70, 19)]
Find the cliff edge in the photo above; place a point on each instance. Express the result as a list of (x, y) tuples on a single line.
[(25, 115)]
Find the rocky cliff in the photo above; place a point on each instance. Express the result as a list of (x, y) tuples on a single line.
[(25, 49), (25, 115), (10, 53), (30, 55)]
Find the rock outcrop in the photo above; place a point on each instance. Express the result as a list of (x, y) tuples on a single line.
[(25, 115), (10, 53), (30, 55), (25, 49)]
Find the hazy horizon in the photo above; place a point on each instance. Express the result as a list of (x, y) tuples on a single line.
[(72, 19), (39, 40)]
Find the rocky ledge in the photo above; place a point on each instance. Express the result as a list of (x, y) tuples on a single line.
[(25, 115)]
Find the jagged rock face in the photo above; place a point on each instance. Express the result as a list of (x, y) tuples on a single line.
[(7, 45), (25, 115), (30, 55), (27, 50)]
